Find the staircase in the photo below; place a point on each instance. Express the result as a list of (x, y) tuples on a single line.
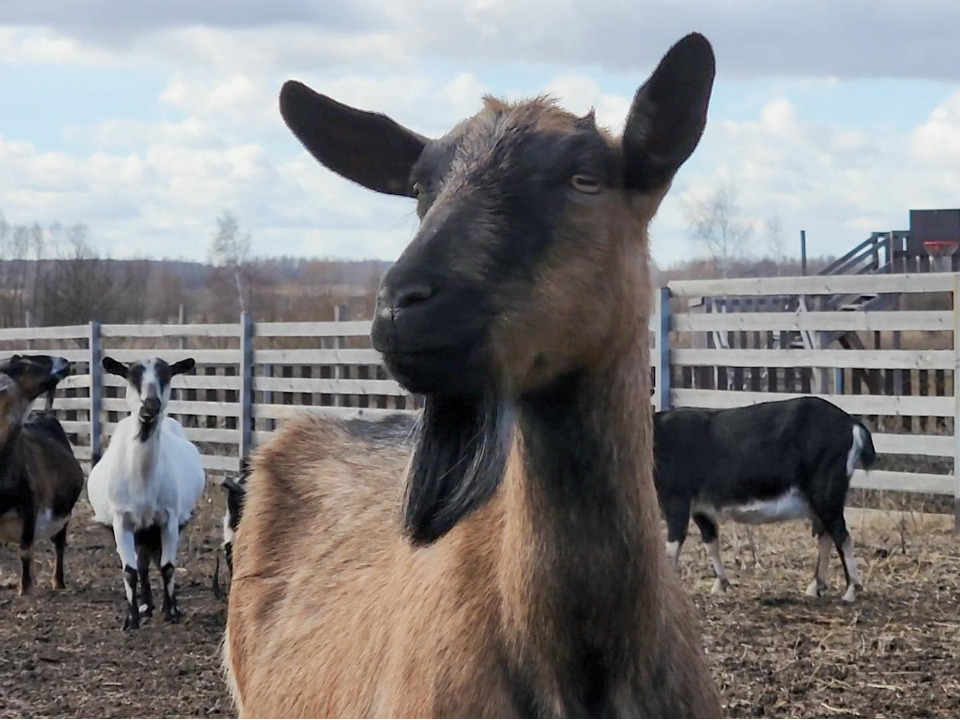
[(876, 255)]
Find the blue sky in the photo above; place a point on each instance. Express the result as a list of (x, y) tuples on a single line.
[(147, 120)]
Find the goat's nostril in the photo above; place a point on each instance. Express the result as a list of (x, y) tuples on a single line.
[(405, 297)]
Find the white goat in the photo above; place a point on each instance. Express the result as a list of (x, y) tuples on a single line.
[(147, 484)]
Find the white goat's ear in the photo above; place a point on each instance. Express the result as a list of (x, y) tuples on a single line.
[(115, 367), (183, 366)]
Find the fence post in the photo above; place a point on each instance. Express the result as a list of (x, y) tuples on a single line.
[(96, 390), (339, 312), (956, 403), (663, 347), (246, 384)]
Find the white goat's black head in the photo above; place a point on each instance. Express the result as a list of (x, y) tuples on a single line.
[(148, 386)]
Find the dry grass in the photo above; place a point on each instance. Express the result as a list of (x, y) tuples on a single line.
[(894, 653), (774, 652)]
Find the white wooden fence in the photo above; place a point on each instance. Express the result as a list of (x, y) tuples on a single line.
[(250, 375)]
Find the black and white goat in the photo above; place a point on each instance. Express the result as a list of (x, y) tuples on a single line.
[(236, 489), (770, 462), (147, 484), (40, 479)]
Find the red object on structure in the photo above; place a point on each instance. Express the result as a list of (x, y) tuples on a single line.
[(939, 248)]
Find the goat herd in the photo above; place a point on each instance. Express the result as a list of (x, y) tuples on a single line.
[(527, 576)]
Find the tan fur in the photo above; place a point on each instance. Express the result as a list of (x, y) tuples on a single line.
[(333, 614)]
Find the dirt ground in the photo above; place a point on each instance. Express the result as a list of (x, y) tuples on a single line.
[(63, 654), (774, 652)]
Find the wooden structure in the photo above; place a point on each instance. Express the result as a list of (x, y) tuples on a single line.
[(774, 342)]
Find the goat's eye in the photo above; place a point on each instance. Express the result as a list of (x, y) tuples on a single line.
[(586, 183)]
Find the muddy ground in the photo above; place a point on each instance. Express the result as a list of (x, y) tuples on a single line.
[(774, 652)]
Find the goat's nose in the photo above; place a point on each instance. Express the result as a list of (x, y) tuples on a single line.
[(151, 406), (411, 295)]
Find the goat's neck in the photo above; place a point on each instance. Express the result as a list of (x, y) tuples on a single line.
[(580, 579), (146, 447)]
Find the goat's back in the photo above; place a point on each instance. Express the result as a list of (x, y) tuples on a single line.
[(181, 462), (753, 451), (331, 614)]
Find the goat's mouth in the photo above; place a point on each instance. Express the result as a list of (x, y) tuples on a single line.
[(456, 370), (149, 411)]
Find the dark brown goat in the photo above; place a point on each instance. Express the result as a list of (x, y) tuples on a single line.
[(40, 479), (527, 577)]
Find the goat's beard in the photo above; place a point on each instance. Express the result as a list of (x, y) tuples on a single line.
[(458, 462)]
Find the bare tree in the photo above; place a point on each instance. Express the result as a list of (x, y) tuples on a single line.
[(776, 242), (720, 225), (230, 249)]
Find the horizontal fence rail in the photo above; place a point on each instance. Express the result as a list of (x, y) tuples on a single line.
[(713, 344)]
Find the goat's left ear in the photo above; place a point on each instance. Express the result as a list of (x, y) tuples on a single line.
[(668, 115), (183, 366)]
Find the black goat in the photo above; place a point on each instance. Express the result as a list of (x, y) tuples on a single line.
[(766, 463), (40, 479), (236, 490)]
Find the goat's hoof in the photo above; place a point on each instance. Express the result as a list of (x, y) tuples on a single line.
[(173, 615), (720, 586), (146, 611), (815, 589), (25, 590), (59, 585), (851, 594), (131, 622)]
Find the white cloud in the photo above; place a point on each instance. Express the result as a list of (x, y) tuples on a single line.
[(580, 94), (819, 39), (838, 183), (937, 141), (156, 183)]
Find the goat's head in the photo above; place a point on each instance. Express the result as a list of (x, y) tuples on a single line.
[(24, 378), (531, 256), (148, 384), (530, 218)]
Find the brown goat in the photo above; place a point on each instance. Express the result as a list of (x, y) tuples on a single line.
[(40, 479), (527, 577)]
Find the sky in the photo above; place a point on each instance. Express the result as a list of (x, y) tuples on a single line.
[(146, 120)]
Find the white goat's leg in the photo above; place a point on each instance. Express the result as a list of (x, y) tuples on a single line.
[(850, 562), (722, 582), (127, 550), (819, 583), (169, 539)]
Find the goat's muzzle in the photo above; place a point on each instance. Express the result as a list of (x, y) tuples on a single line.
[(432, 330), (149, 409)]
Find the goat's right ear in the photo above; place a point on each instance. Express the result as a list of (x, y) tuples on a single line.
[(115, 367), (368, 148), (668, 115)]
